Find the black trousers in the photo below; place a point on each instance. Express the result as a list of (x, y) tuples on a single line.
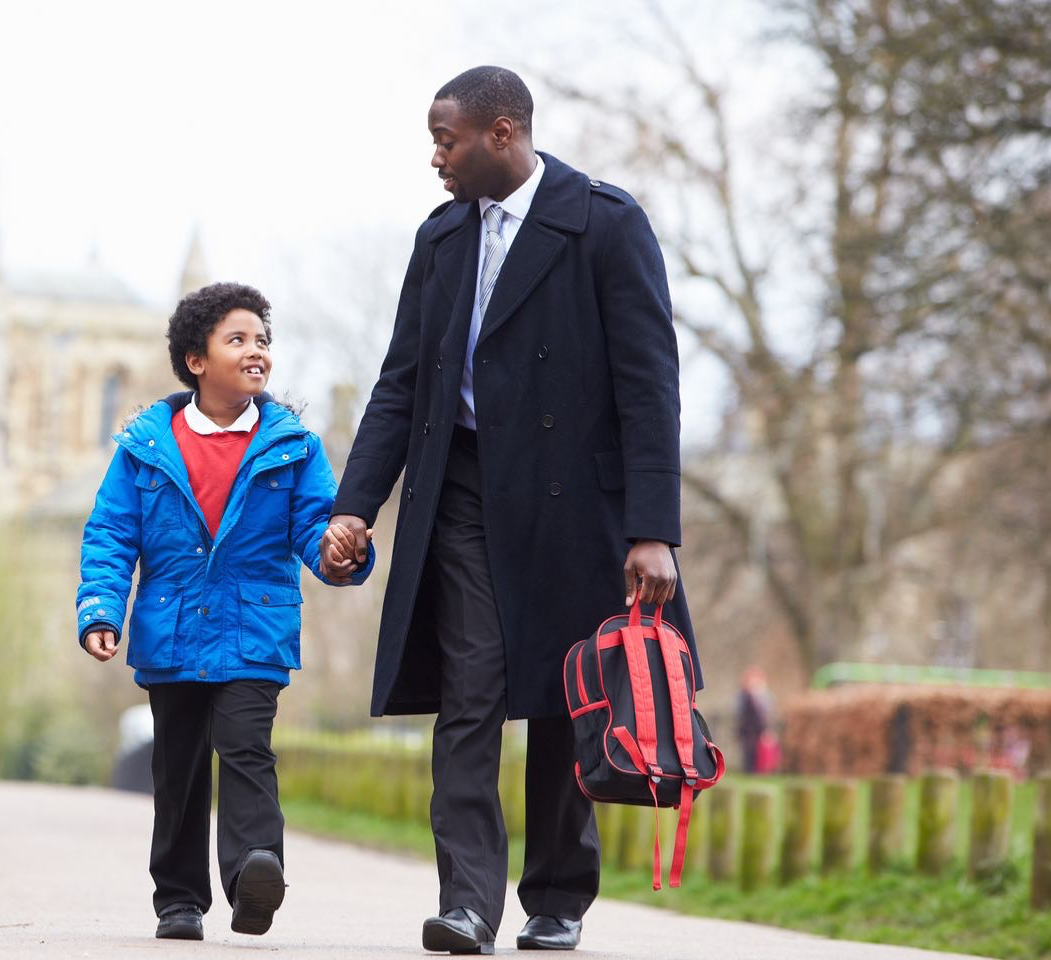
[(189, 721), (561, 872)]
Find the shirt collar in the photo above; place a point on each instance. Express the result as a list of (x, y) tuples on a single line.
[(199, 423), (518, 203)]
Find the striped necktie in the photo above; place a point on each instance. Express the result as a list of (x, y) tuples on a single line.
[(494, 255)]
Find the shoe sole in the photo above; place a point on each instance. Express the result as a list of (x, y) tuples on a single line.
[(536, 945), (180, 931), (442, 939), (259, 892)]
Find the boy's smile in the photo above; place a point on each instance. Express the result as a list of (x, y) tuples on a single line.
[(234, 368)]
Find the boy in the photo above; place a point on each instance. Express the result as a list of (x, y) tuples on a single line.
[(218, 493)]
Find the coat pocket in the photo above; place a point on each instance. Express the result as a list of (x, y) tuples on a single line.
[(266, 506), (610, 468), (160, 498), (151, 644), (270, 622)]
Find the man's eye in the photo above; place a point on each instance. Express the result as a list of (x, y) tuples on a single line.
[(235, 339)]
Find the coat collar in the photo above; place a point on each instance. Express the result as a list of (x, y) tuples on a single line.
[(560, 206)]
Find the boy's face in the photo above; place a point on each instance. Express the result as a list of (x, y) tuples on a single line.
[(236, 365)]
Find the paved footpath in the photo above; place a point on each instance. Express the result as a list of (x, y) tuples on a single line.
[(74, 884)]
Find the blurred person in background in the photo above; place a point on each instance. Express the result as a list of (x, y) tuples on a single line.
[(755, 734), (530, 393)]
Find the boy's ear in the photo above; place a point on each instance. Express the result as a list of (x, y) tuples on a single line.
[(195, 364)]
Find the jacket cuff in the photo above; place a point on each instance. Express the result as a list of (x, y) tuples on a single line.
[(651, 507), (101, 611)]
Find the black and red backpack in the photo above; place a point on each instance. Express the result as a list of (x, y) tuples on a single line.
[(639, 738)]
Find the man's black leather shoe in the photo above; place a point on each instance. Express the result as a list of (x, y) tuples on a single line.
[(459, 930), (549, 933), (258, 892), (180, 922)]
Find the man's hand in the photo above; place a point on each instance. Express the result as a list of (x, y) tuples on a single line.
[(344, 547), (101, 644), (649, 569)]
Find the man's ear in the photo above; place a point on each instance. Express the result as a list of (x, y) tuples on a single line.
[(195, 364), (503, 131)]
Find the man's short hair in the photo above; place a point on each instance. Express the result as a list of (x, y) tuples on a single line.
[(485, 93), (198, 314)]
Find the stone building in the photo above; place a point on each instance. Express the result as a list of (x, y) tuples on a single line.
[(78, 351)]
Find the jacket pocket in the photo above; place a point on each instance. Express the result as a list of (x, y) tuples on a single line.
[(151, 643), (266, 505), (160, 498), (270, 622), (610, 468)]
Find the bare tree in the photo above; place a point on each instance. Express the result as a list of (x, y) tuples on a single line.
[(920, 157)]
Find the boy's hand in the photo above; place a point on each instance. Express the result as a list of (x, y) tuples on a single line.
[(101, 644), (344, 547)]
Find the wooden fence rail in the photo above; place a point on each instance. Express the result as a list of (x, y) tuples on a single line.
[(749, 830)]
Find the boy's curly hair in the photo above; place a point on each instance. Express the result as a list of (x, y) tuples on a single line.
[(199, 313)]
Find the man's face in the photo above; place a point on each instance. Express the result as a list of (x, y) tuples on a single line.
[(465, 155), (236, 364)]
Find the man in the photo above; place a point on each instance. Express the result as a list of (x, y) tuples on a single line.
[(530, 392)]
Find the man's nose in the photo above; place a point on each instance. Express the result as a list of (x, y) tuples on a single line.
[(437, 159)]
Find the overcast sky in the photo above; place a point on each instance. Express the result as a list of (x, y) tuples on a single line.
[(274, 127)]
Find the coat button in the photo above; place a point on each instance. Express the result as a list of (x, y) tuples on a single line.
[(284, 456), (408, 494), (202, 673), (163, 599), (426, 429), (204, 611), (200, 549), (273, 484), (102, 613), (554, 489), (439, 361), (153, 483), (150, 444), (547, 420), (595, 183), (265, 598), (542, 352)]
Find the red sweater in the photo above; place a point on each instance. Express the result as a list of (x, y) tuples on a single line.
[(211, 463)]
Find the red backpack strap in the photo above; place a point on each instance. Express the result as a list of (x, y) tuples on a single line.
[(634, 637), (682, 723)]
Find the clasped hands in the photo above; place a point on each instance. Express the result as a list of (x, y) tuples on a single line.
[(344, 547)]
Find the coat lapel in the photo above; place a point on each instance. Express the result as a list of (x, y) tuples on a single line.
[(456, 266), (560, 206)]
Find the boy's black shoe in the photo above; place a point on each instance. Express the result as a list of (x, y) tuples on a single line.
[(258, 892), (180, 922)]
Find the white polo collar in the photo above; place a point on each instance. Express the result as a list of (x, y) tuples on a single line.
[(199, 423)]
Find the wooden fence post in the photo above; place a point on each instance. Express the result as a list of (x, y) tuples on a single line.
[(939, 790), (758, 843), (838, 825), (722, 833), (990, 822), (797, 841), (886, 821), (1040, 892)]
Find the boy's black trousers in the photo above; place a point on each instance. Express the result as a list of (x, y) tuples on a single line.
[(189, 721)]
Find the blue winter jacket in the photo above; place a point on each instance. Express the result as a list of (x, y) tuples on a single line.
[(206, 610)]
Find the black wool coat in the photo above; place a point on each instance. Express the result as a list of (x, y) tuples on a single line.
[(577, 406)]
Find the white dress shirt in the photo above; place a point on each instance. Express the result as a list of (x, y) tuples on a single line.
[(199, 423), (515, 208)]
